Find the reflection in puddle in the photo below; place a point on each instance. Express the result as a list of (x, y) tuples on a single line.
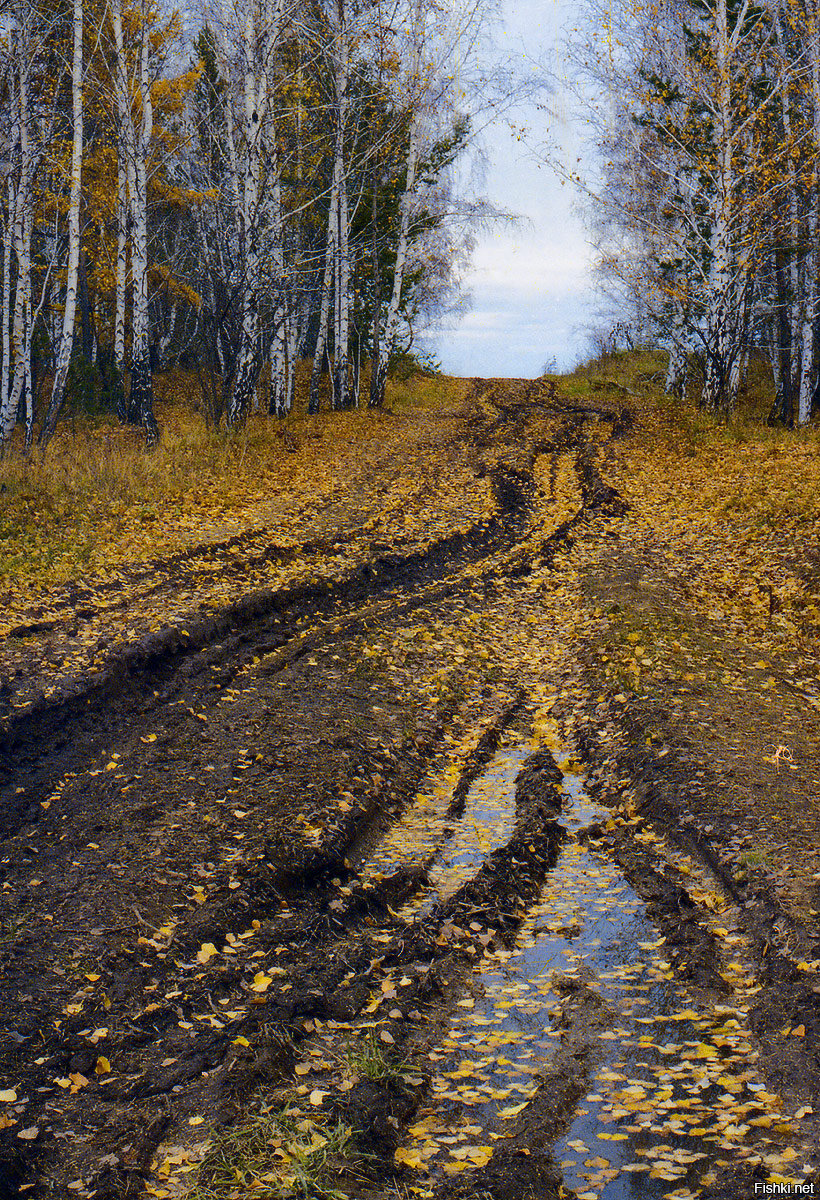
[(673, 1094), (453, 848)]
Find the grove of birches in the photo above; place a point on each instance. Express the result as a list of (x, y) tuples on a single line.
[(244, 185)]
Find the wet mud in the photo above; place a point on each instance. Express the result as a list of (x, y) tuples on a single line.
[(310, 884)]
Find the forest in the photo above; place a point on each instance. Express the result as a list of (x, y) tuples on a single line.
[(237, 191), (231, 190), (708, 205)]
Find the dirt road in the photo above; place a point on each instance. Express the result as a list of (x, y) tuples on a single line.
[(370, 883)]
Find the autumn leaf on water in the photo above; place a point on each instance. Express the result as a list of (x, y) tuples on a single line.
[(512, 1110)]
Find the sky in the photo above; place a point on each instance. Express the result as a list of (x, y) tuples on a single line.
[(530, 290)]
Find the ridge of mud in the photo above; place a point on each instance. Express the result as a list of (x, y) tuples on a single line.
[(668, 798), (382, 572)]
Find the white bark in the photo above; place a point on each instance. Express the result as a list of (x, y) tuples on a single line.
[(121, 270), (72, 272), (341, 338), (21, 332), (807, 371), (260, 35), (414, 87), (277, 404), (391, 321), (126, 157), (141, 397), (5, 309), (718, 349), (324, 309)]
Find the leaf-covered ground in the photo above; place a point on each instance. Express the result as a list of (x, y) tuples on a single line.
[(302, 892)]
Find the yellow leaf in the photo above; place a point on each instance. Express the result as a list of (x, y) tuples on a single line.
[(316, 1097), (151, 737), (512, 1110), (103, 1066), (261, 982), (240, 1041), (8, 1097), (704, 1050), (196, 1120), (408, 1158), (206, 953)]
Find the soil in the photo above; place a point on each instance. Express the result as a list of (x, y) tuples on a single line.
[(186, 921)]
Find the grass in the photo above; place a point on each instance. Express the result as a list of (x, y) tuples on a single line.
[(737, 504), (277, 1155), (96, 497), (367, 1057)]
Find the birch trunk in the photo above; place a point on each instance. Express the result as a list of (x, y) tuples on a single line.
[(715, 389), (341, 338), (391, 321), (247, 362), (374, 399), (324, 310), (807, 371), (5, 313), (278, 387), (72, 273), (125, 158), (675, 382), (141, 395), (21, 339)]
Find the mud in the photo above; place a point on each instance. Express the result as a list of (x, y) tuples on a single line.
[(189, 933)]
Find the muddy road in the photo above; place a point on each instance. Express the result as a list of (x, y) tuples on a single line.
[(366, 884)]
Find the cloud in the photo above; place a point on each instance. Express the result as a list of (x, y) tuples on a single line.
[(529, 280)]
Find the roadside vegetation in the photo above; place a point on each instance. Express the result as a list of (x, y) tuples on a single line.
[(96, 499)]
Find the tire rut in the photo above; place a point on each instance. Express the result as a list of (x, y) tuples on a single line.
[(286, 896)]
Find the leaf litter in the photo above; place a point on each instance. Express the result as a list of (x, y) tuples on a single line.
[(490, 1067), (668, 1105)]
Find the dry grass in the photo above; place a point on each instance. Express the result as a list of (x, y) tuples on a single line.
[(736, 506), (277, 1155), (97, 497)]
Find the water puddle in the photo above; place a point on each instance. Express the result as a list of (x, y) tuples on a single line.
[(672, 1089), (452, 848)]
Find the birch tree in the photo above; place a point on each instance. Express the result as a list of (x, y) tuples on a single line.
[(695, 174), (21, 219), (72, 271)]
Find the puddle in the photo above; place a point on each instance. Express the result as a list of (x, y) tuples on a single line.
[(453, 848), (673, 1092)]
